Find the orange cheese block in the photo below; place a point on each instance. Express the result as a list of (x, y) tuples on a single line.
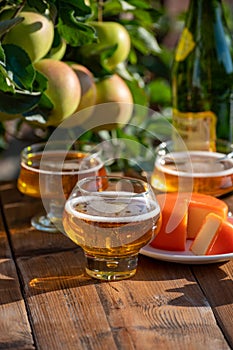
[(172, 233), (214, 237), (201, 205), (182, 215)]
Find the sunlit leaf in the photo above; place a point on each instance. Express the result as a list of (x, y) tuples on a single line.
[(114, 7), (2, 56), (143, 40), (140, 4), (18, 64)]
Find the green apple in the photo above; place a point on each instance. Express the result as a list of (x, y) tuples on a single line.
[(109, 34), (64, 89), (34, 34), (114, 103)]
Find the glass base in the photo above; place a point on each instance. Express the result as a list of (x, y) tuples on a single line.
[(111, 269), (43, 223)]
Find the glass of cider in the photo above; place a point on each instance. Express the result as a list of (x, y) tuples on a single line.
[(185, 170), (111, 218), (50, 171)]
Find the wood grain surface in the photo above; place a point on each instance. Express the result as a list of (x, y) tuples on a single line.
[(48, 302)]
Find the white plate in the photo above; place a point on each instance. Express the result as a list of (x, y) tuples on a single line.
[(183, 257)]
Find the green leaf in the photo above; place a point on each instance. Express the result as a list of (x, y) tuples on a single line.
[(140, 4), (2, 56), (114, 7), (143, 18), (143, 40), (94, 57), (18, 102), (40, 82), (139, 94), (36, 117), (6, 83), (71, 17), (40, 5), (40, 113), (160, 92), (73, 11), (76, 33), (81, 10), (19, 66)]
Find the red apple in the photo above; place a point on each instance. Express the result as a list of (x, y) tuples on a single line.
[(114, 103), (64, 89)]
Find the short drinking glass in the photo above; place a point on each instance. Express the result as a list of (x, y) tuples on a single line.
[(183, 170), (111, 218)]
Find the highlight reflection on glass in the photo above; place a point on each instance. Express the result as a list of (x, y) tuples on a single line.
[(111, 218)]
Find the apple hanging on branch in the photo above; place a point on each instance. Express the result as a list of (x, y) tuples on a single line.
[(34, 34), (112, 47), (102, 45)]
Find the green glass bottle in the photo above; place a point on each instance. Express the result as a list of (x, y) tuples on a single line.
[(202, 77)]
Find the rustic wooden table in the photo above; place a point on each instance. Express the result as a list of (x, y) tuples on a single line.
[(47, 302)]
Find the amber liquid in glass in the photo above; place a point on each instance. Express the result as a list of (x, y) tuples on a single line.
[(201, 173), (55, 165), (109, 227)]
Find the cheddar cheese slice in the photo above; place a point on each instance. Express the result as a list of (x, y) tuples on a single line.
[(182, 216), (214, 237), (224, 240), (172, 233), (201, 205)]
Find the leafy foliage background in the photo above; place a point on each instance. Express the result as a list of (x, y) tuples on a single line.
[(146, 71)]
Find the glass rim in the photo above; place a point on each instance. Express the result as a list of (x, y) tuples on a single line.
[(146, 185), (39, 148), (169, 143), (44, 147), (60, 142)]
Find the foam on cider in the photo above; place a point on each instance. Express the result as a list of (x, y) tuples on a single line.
[(196, 167), (109, 203), (66, 167)]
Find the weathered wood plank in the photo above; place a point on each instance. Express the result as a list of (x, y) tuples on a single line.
[(10, 194), (4, 246), (15, 331), (18, 211), (217, 283), (66, 311), (25, 239), (161, 307)]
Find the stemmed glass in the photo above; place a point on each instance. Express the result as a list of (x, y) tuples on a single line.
[(111, 218), (50, 171)]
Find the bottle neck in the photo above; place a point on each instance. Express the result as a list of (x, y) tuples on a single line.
[(205, 10), (206, 21)]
